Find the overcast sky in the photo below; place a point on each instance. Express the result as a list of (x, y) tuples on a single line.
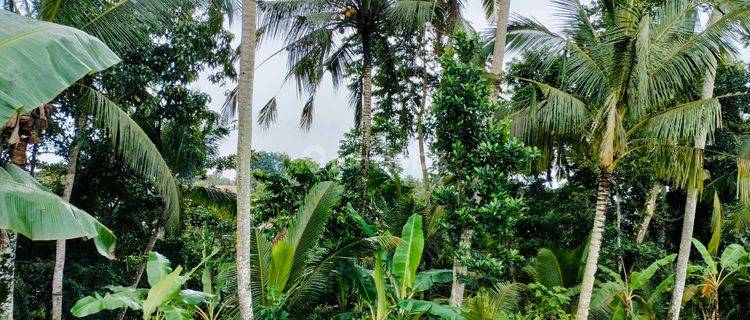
[(333, 116)]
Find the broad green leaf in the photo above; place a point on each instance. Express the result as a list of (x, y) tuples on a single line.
[(193, 298), (38, 60), (362, 281), (706, 257), (407, 256), (363, 225), (162, 292), (121, 297), (30, 209), (157, 268), (171, 312), (426, 279), (282, 257), (639, 279), (717, 224), (417, 307), (378, 277), (731, 256)]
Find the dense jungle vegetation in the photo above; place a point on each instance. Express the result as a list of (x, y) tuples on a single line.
[(592, 167)]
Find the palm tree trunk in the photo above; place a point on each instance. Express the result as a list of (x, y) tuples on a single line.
[(691, 201), (458, 287), (595, 244), (144, 260), (244, 153), (420, 129), (498, 53), (57, 275), (650, 209), (366, 120)]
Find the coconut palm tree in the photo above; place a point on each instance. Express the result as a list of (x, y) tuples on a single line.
[(327, 36), (501, 12), (244, 153), (617, 96)]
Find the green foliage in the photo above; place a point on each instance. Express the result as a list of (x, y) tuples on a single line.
[(165, 298), (39, 60), (32, 210)]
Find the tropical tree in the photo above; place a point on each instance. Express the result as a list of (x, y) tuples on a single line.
[(620, 83), (326, 36)]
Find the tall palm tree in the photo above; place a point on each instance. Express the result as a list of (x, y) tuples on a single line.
[(621, 80), (327, 36), (501, 13), (244, 153)]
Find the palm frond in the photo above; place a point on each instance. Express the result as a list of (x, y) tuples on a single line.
[(138, 152), (309, 222), (680, 165), (683, 122), (267, 114)]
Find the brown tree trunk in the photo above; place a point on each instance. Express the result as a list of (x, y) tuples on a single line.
[(57, 275), (244, 159), (144, 260), (595, 244), (459, 271)]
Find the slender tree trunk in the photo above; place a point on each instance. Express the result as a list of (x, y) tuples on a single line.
[(9, 239), (650, 209), (595, 244), (155, 233), (244, 153), (420, 128), (366, 120), (498, 53), (691, 202), (57, 275), (7, 271), (458, 288)]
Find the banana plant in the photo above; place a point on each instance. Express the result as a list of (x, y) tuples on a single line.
[(730, 268), (392, 287), (632, 297), (27, 207), (164, 300)]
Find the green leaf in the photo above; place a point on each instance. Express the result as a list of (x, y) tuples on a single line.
[(30, 209), (193, 298), (362, 280), (717, 223), (120, 297), (171, 312), (378, 276), (731, 256), (162, 292), (640, 279), (363, 225), (407, 256), (706, 257), (38, 60), (417, 307), (157, 268), (426, 279)]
